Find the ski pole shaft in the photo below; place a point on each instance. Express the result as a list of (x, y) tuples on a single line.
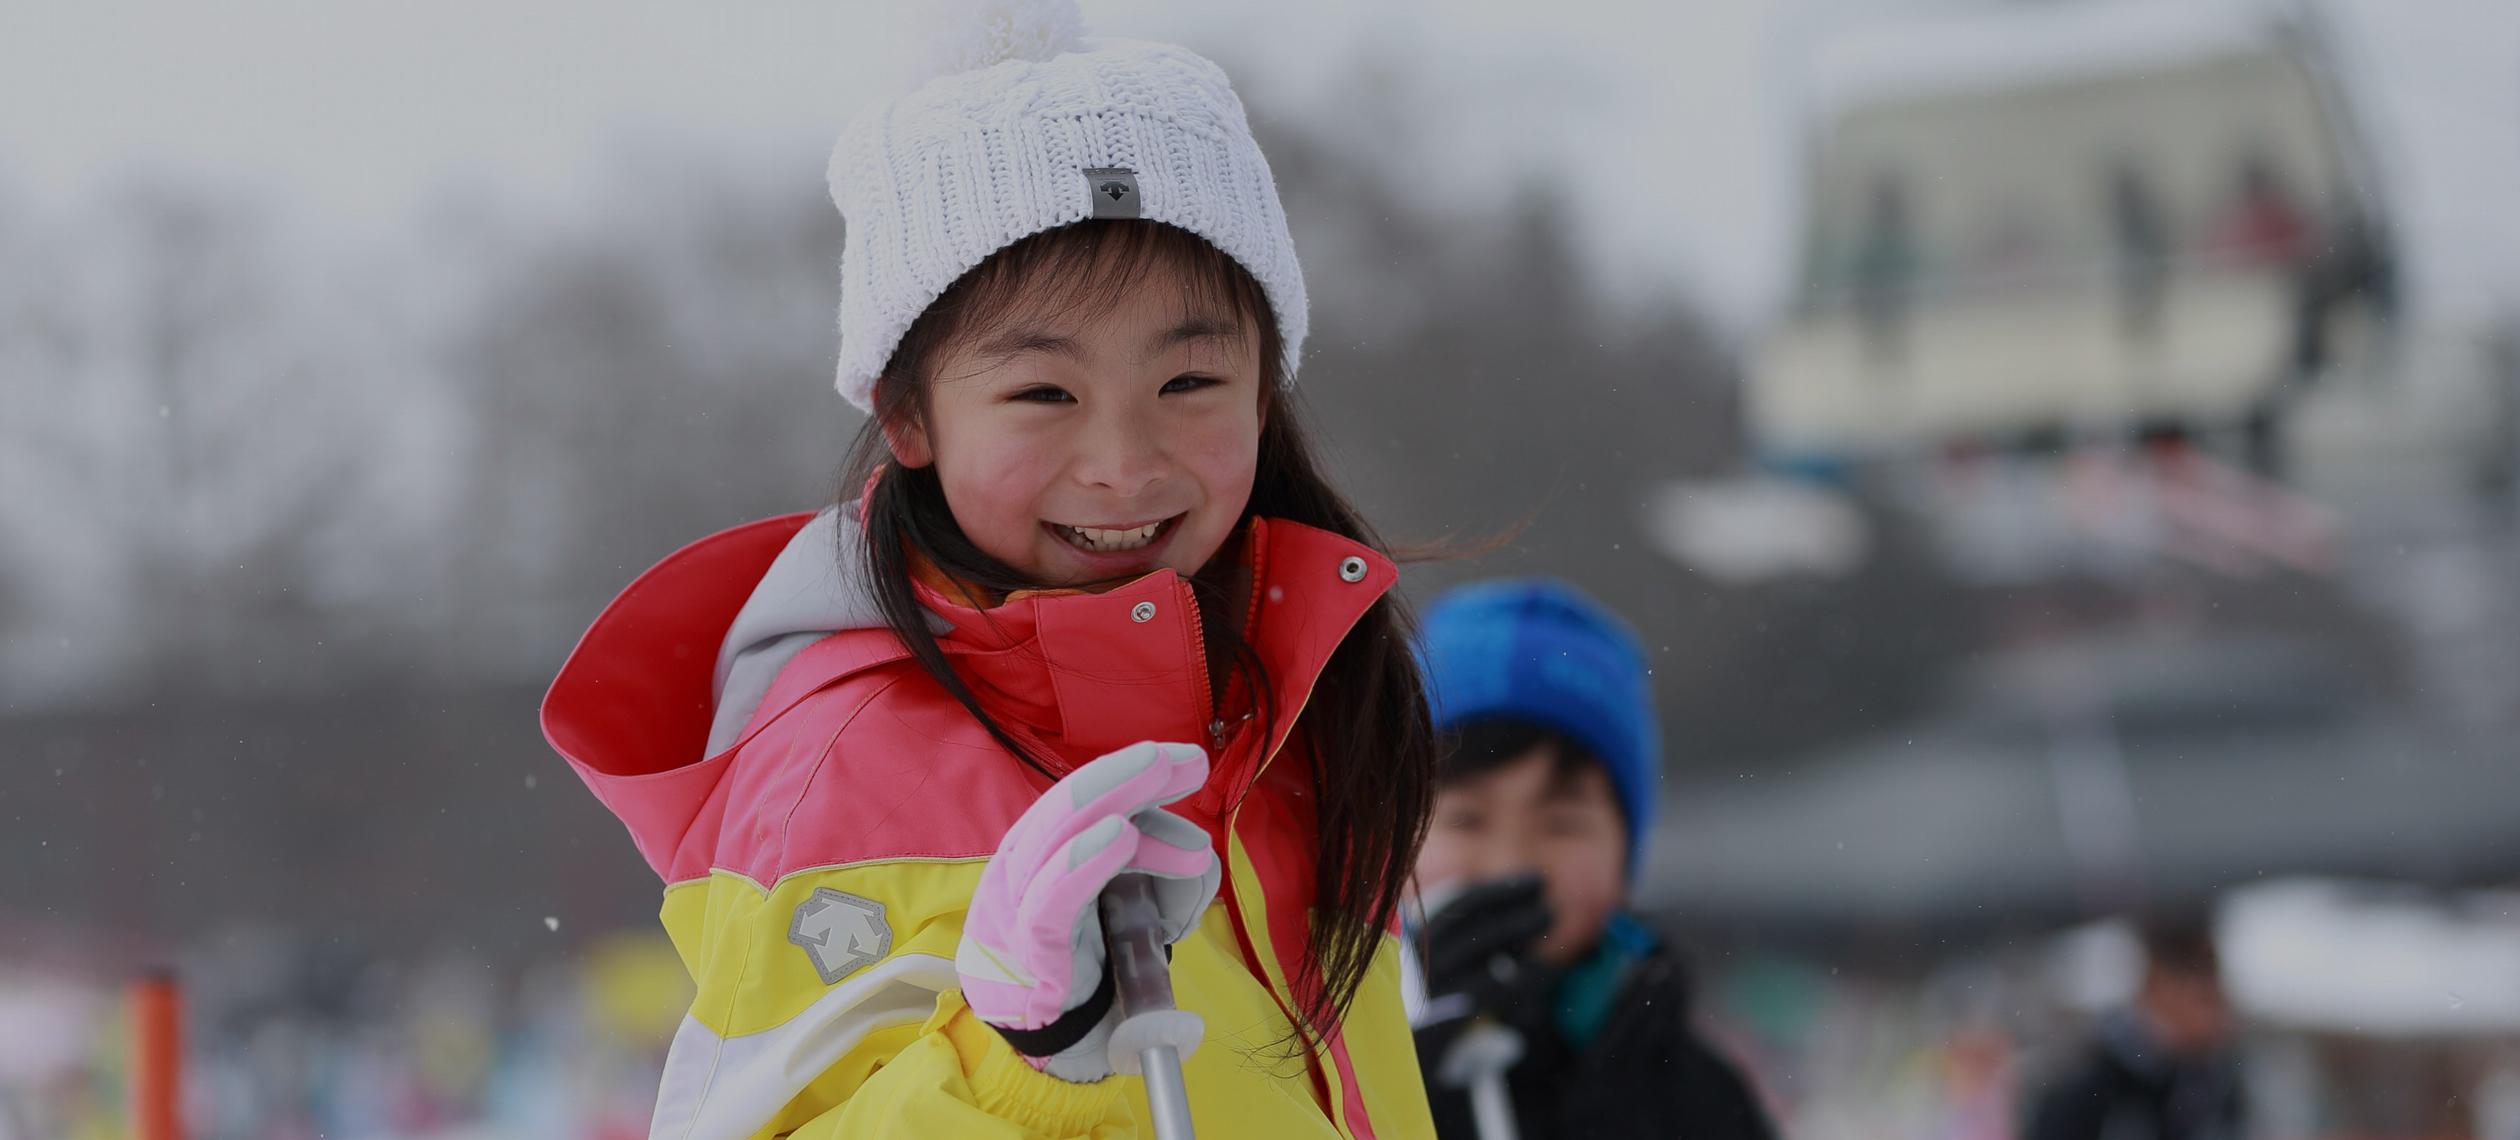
[(1492, 1109), (1477, 1062), (1167, 1098), (1154, 1035)]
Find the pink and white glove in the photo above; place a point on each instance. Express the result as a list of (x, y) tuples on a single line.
[(1032, 957)]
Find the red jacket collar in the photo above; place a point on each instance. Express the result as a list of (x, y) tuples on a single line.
[(1092, 672)]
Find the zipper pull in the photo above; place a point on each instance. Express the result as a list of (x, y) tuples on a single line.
[(1217, 727)]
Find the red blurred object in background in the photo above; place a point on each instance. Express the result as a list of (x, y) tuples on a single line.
[(157, 1051)]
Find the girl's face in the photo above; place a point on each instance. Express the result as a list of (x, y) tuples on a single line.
[(1097, 447)]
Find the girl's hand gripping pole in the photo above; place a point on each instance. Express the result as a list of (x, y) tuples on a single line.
[(1153, 1036)]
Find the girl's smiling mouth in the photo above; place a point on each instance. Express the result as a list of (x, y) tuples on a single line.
[(1123, 539)]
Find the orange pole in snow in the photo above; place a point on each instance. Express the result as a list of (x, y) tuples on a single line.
[(157, 1056)]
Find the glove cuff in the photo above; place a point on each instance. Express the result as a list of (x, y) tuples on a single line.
[(1071, 1027)]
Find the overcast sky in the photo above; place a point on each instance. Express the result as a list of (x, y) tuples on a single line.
[(1670, 124)]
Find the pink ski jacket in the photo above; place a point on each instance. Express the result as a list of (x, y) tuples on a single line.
[(820, 810)]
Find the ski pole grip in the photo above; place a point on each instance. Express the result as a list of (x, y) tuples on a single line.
[(1142, 977)]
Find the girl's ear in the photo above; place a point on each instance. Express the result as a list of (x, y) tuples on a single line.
[(909, 443)]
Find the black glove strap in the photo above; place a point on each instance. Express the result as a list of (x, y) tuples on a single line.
[(1070, 1028)]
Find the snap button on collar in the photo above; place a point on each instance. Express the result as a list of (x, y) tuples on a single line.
[(1143, 611), (1352, 569)]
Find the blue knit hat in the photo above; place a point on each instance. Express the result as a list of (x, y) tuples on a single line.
[(1539, 650)]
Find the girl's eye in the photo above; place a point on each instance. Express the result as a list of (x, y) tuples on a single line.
[(1043, 394), (1190, 383)]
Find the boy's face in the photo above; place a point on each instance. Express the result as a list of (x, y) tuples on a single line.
[(1097, 448), (1533, 814)]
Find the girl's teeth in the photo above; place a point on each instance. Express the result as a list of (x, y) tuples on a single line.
[(1093, 538)]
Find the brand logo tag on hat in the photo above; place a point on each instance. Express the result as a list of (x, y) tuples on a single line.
[(1115, 191)]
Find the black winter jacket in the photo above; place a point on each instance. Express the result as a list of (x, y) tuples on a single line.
[(1645, 1073)]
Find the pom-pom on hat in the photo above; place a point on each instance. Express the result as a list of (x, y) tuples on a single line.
[(1541, 651), (1026, 126)]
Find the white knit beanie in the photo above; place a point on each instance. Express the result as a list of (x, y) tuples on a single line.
[(1035, 126)]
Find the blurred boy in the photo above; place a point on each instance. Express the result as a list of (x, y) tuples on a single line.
[(1541, 813), (2161, 1069)]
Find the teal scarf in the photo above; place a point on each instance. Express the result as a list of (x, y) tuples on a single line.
[(1589, 991)]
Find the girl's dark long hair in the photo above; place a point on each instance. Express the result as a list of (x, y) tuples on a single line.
[(1373, 750)]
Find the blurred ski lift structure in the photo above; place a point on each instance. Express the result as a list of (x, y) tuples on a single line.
[(2070, 275), (2092, 284), (2109, 293)]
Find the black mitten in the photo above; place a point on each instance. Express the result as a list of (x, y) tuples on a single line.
[(1479, 952)]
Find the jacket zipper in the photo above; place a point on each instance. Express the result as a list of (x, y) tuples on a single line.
[(1198, 659), (1209, 699)]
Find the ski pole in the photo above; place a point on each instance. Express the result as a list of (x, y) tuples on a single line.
[(1154, 1035), (1478, 1060), (1487, 1048)]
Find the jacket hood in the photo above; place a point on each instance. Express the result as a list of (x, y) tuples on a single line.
[(670, 672), (815, 587)]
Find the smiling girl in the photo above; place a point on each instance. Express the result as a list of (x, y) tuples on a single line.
[(1094, 611)]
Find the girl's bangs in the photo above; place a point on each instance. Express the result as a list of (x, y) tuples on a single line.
[(1080, 272)]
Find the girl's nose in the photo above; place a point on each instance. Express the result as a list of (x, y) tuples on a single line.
[(1121, 454)]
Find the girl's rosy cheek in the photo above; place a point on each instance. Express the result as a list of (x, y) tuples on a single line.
[(1228, 454), (991, 508), (1009, 477)]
